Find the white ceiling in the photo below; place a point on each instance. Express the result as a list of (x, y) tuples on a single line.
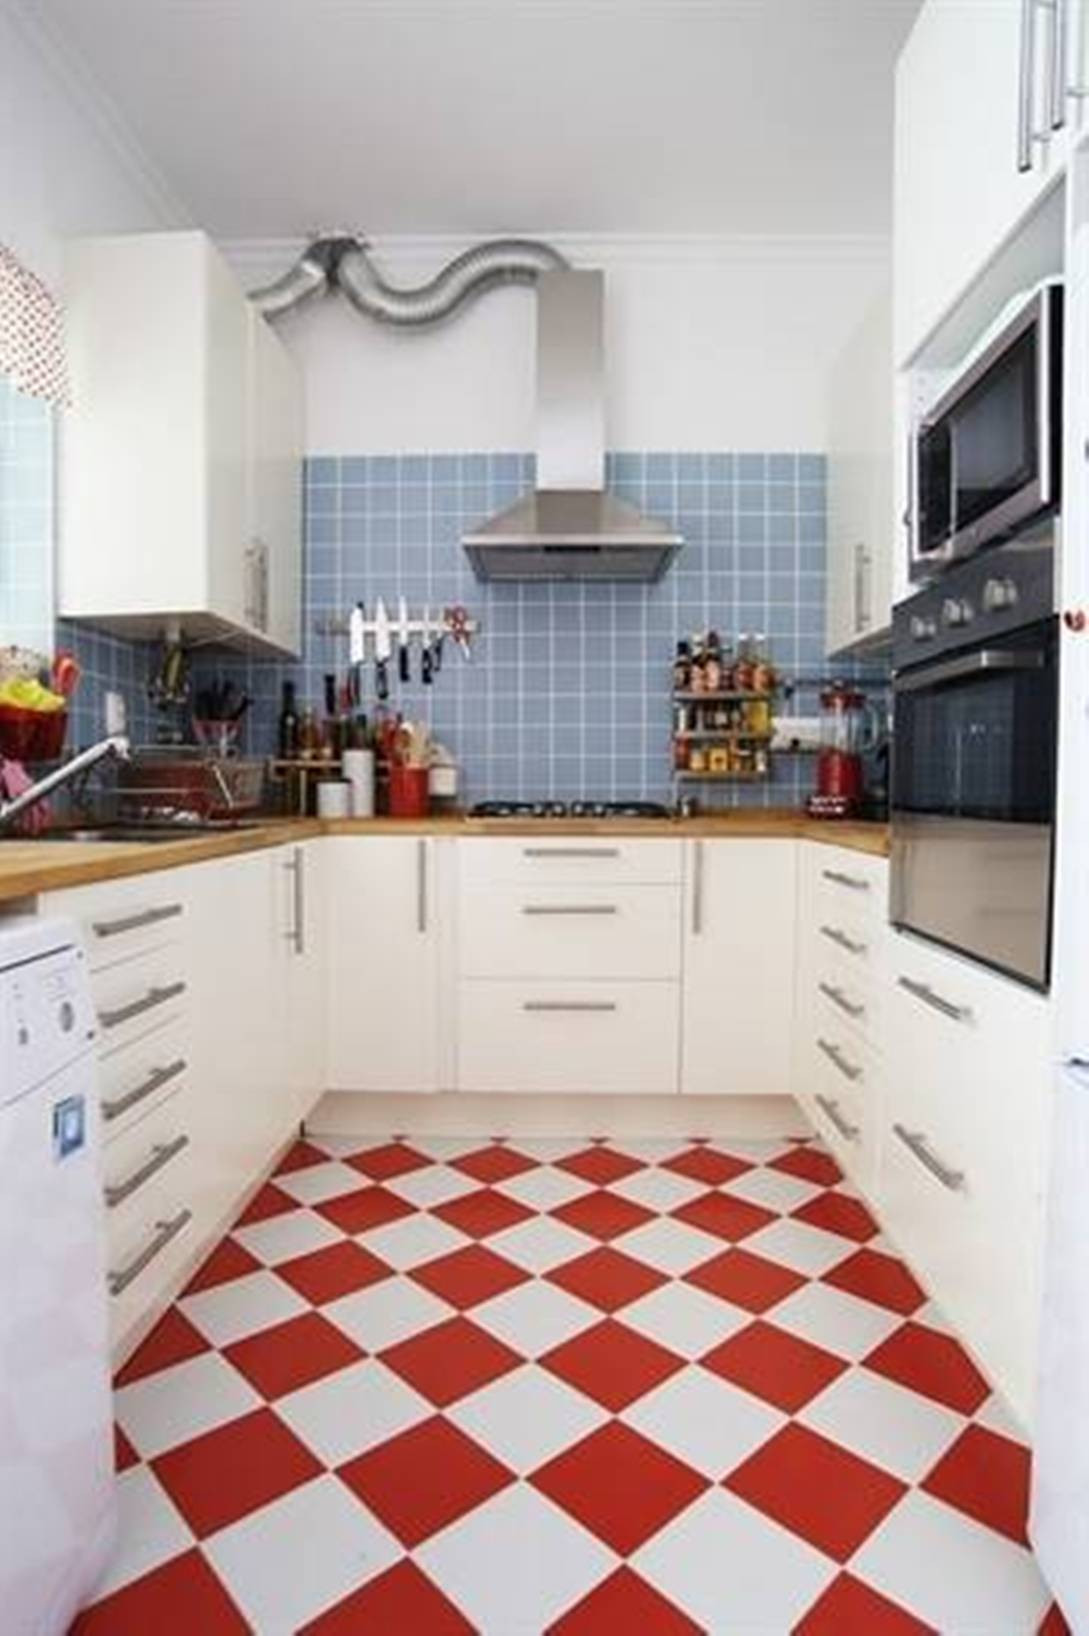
[(269, 118)]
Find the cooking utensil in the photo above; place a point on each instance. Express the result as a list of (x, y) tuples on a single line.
[(426, 661), (403, 668), (383, 647)]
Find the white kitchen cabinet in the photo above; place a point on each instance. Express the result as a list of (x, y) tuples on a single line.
[(738, 988), (860, 468), (181, 456), (384, 895), (304, 966), (958, 191)]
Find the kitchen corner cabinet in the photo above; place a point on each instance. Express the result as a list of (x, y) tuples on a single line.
[(384, 919), (738, 990), (181, 457)]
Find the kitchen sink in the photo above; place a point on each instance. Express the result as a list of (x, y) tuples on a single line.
[(144, 833)]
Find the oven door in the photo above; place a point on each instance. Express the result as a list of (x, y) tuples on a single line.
[(973, 800)]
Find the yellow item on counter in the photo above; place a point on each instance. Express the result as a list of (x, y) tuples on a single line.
[(27, 693)]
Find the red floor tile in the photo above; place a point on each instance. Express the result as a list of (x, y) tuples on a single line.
[(619, 1485), (611, 1364), (600, 1165), (390, 1159), (228, 1260), (602, 1214), (338, 1269), (494, 1163), (838, 1213), (850, 1608), (181, 1598), (171, 1341), (124, 1455), (300, 1156), (423, 1479), (1054, 1623), (267, 1202), (482, 1213), (775, 1366), (986, 1476), (450, 1360), (707, 1164), (230, 1471), (746, 1280), (723, 1215), (607, 1278), (620, 1605), (817, 1489), (467, 1277), (367, 1207), (400, 1602), (289, 1355), (880, 1278), (931, 1363), (809, 1164)]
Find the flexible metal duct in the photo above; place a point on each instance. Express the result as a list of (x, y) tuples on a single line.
[(309, 277)]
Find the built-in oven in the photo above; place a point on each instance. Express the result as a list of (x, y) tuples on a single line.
[(975, 729), (984, 460)]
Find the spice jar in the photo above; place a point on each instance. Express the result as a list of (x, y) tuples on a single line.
[(682, 668)]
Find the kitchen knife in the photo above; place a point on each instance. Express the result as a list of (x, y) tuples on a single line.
[(383, 647), (402, 642), (425, 649), (357, 649)]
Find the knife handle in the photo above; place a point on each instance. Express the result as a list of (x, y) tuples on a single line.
[(381, 679), (402, 661), (425, 664)]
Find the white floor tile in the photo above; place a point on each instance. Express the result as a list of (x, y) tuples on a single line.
[(386, 1313), (733, 1570), (839, 1322), (709, 1424), (541, 1244), (544, 1188), (149, 1530), (948, 1570), (526, 1417), (438, 1184), (290, 1560), (515, 1563), (179, 1403), (899, 1430), (806, 1249), (534, 1317), (671, 1246), (445, 1149), (231, 1311), (351, 1411), (280, 1238), (660, 1190), (997, 1416), (773, 1189), (685, 1319), (548, 1150), (316, 1183), (412, 1241)]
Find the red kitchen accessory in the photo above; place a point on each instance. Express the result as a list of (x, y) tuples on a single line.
[(409, 791), (31, 735), (847, 731)]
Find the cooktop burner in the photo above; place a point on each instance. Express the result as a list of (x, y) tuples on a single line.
[(569, 809)]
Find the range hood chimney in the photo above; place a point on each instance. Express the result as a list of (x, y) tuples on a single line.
[(570, 527)]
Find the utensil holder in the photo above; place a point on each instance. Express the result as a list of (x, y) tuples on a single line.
[(409, 792)]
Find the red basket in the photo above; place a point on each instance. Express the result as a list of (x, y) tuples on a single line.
[(32, 735)]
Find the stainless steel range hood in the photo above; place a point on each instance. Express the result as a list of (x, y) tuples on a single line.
[(570, 528)]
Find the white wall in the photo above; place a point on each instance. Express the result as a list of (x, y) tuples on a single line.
[(710, 343)]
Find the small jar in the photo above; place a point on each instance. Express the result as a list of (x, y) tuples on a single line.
[(697, 759)]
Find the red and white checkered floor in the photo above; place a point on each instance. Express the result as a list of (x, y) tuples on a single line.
[(443, 1386)]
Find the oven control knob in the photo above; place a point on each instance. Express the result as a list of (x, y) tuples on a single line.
[(955, 611), (999, 594), (922, 630)]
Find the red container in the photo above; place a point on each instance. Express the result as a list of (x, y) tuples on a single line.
[(409, 791), (52, 726), (31, 735)]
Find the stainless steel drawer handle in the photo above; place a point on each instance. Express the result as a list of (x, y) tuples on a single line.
[(569, 1005), (916, 1143), (936, 1001), (570, 909), (849, 1070), (133, 923), (159, 995), (835, 935), (570, 852), (838, 998), (157, 1078), (160, 1157), (830, 1107), (855, 882), (165, 1232)]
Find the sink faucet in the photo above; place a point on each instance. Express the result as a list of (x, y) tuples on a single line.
[(117, 745)]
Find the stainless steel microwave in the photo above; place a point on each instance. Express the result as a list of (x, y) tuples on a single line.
[(986, 459)]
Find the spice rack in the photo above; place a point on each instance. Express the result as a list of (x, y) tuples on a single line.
[(721, 735)]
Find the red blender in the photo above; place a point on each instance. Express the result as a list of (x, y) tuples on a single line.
[(847, 731)]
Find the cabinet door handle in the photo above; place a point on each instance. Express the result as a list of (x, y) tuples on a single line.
[(421, 886), (133, 923), (570, 852), (835, 935), (697, 888), (160, 1157), (936, 1001), (1057, 87), (857, 883), (1025, 86), (852, 1008), (862, 601), (830, 1107), (165, 1231), (147, 1002), (849, 1070), (570, 909), (157, 1078), (296, 936), (916, 1144), (569, 1005)]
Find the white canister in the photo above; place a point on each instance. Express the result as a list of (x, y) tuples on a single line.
[(334, 798), (358, 767)]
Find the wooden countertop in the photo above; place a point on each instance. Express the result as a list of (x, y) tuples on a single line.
[(28, 867)]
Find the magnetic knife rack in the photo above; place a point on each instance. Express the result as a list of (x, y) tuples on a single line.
[(444, 624)]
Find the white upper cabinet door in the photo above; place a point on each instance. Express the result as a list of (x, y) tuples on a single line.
[(274, 543), (738, 988), (383, 989), (973, 148)]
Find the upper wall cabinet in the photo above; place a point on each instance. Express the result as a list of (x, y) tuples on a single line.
[(983, 109), (182, 455)]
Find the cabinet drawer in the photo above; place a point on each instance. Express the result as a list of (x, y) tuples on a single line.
[(145, 1263), (123, 918), (138, 995), (567, 860), (849, 883), (572, 1036), (843, 1089), (575, 931), (848, 991), (138, 1076), (147, 1162)]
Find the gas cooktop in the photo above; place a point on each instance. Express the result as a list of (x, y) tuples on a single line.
[(569, 809)]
